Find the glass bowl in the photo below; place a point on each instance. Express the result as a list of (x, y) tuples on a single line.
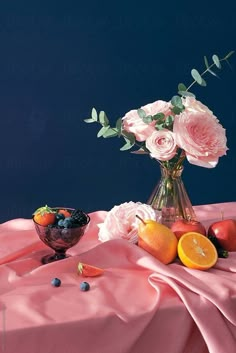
[(60, 239)]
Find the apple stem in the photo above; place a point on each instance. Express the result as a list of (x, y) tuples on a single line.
[(140, 219)]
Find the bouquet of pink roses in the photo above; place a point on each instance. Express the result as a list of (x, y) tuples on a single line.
[(172, 131)]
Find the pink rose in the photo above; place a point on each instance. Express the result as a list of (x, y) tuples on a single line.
[(157, 107), (162, 145), (133, 123), (121, 221), (193, 105), (199, 134)]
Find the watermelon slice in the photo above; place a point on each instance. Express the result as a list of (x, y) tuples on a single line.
[(87, 270)]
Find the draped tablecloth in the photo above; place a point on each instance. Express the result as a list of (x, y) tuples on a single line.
[(138, 305)]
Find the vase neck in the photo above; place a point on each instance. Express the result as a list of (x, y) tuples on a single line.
[(173, 173)]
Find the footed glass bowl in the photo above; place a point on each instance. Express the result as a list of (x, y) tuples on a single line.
[(60, 239)]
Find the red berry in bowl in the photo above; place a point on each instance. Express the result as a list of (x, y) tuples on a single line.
[(44, 216)]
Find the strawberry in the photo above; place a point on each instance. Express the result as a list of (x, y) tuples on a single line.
[(65, 213), (44, 216), (89, 271)]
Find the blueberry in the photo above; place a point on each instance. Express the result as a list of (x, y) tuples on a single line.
[(84, 286), (56, 282), (60, 216), (67, 222), (61, 223)]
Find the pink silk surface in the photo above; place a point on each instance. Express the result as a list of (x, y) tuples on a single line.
[(138, 305)]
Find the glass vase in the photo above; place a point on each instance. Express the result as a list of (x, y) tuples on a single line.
[(170, 199)]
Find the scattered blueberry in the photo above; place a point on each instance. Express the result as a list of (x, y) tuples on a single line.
[(56, 282), (84, 286)]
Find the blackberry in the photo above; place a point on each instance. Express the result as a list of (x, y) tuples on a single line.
[(78, 217)]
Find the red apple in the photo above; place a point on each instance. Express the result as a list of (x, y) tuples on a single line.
[(225, 232), (183, 226)]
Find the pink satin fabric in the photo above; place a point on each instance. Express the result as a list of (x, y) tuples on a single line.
[(138, 305)]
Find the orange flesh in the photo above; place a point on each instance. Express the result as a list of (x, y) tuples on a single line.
[(196, 251)]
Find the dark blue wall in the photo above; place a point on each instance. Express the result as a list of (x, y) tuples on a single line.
[(56, 63)]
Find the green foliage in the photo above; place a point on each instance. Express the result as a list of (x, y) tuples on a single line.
[(229, 55), (94, 114), (161, 121), (159, 116), (129, 139), (103, 130), (181, 87), (216, 61), (103, 118), (119, 126), (186, 94), (141, 113), (110, 132), (177, 104), (198, 77)]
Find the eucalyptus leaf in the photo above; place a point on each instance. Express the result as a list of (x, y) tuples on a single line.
[(119, 125), (176, 101), (229, 55), (103, 118), (212, 73), (127, 146), (159, 126), (186, 94), (94, 114), (159, 116), (229, 64), (177, 110), (128, 136), (102, 131), (196, 76), (206, 62), (169, 120), (89, 121), (216, 61), (111, 132), (181, 87), (203, 83), (147, 119), (141, 113)]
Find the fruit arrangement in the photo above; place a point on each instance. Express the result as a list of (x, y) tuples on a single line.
[(60, 218), (195, 247), (60, 229)]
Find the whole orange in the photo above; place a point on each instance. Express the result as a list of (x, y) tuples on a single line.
[(158, 240)]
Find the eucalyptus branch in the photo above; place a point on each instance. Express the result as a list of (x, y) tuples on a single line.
[(216, 63)]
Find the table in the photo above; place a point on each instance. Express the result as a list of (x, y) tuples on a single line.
[(138, 305)]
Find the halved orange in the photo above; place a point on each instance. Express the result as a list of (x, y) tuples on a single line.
[(197, 251)]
